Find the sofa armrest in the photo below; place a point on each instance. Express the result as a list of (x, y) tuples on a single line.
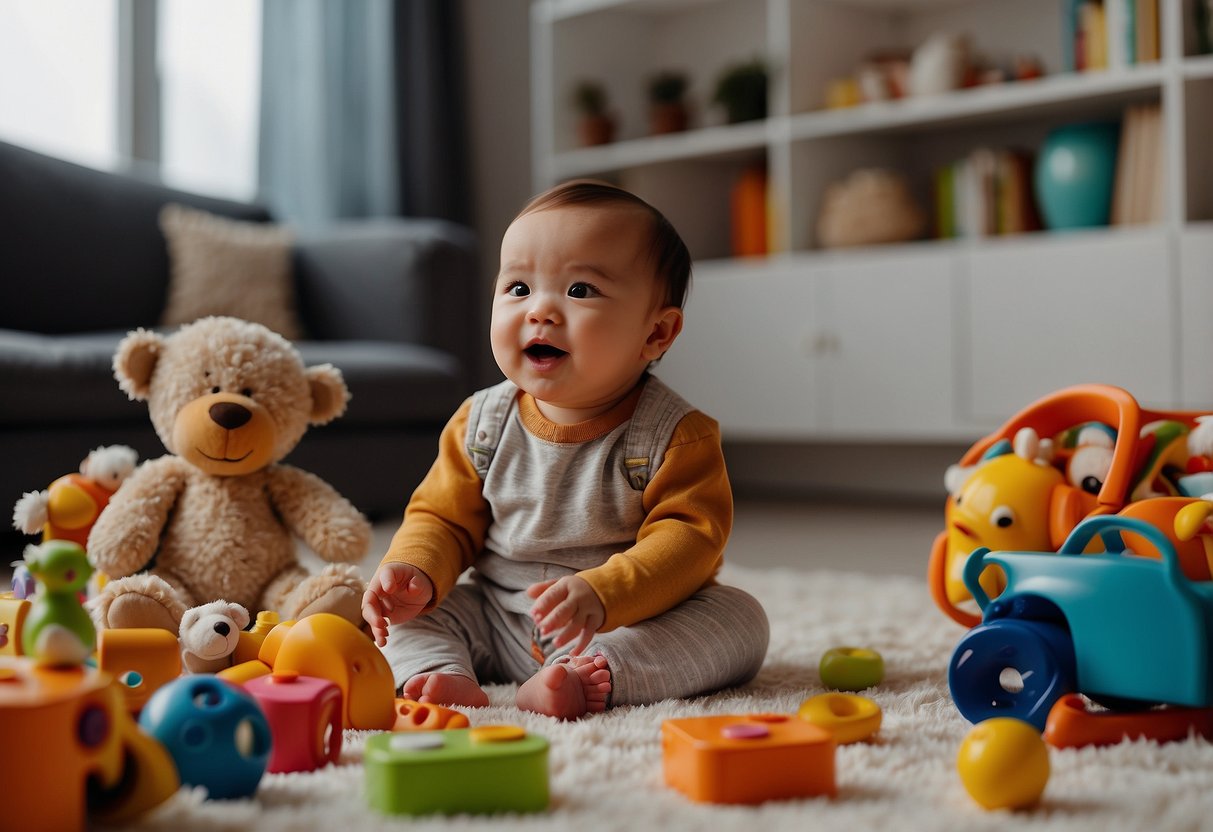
[(406, 280)]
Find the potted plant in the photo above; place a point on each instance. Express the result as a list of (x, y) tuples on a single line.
[(667, 108), (595, 126), (742, 91)]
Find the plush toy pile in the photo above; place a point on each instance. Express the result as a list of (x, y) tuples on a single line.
[(215, 518)]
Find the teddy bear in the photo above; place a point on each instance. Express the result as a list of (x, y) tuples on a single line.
[(215, 517), (209, 635)]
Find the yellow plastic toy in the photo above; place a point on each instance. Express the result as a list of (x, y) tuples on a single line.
[(142, 660), (1004, 764), (747, 759), (848, 717), (329, 647), (249, 645), (65, 727), (13, 612)]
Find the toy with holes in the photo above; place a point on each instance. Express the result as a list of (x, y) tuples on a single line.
[(215, 731), (57, 630), (749, 758), (329, 647), (489, 769), (304, 715), (1126, 628), (419, 716), (847, 717), (1083, 451), (142, 660), (73, 751), (68, 507)]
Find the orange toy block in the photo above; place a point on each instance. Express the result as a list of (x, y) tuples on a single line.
[(12, 618), (71, 748), (143, 660), (417, 716), (748, 758)]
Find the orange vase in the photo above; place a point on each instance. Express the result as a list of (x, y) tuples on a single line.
[(749, 213)]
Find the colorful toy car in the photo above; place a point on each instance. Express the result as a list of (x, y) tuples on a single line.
[(1124, 628), (1021, 487)]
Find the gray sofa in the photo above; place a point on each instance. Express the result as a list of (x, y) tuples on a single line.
[(392, 303)]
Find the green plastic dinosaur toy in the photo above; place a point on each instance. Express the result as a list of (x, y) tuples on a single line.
[(58, 631)]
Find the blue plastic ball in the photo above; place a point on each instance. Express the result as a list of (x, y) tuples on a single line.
[(1075, 174), (215, 732)]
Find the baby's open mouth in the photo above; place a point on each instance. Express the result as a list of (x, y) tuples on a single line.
[(543, 351)]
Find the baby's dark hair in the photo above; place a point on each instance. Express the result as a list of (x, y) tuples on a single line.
[(668, 252)]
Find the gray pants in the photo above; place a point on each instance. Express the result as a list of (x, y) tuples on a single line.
[(716, 638)]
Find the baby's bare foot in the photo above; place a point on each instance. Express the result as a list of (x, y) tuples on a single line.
[(445, 689), (568, 689)]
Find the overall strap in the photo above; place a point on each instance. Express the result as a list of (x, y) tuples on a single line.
[(486, 421), (658, 412)]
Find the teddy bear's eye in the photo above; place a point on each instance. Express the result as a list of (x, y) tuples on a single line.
[(247, 391), (214, 389)]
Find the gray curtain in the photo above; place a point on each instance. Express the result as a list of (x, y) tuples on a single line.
[(362, 110)]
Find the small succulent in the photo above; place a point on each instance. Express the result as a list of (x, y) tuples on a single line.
[(590, 98), (742, 90), (667, 87)]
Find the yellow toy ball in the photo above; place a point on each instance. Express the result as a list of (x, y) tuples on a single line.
[(1004, 764)]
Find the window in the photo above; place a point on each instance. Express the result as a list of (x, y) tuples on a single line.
[(59, 78), (61, 87)]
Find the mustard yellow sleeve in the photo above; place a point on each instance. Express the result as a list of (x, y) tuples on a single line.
[(680, 545), (447, 518)]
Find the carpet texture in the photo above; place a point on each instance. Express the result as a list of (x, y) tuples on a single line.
[(606, 770)]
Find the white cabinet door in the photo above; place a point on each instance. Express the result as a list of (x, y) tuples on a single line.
[(1196, 316), (1068, 309), (888, 322), (743, 356)]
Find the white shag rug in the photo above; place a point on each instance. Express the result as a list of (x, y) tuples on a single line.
[(606, 770)]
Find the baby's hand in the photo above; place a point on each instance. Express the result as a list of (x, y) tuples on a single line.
[(568, 606), (397, 593)]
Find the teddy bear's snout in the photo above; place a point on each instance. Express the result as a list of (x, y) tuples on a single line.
[(222, 628), (229, 414)]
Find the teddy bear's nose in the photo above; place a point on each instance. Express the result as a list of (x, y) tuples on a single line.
[(229, 415), (222, 628)]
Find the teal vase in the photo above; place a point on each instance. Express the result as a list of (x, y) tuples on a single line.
[(1075, 174)]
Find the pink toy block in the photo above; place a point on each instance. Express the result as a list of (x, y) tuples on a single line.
[(304, 713)]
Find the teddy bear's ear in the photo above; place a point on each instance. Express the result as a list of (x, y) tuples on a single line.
[(134, 362), (238, 614), (329, 393)]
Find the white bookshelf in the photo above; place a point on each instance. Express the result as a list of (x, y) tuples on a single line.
[(789, 346)]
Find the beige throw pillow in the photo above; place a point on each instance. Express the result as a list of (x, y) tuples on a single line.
[(219, 266)]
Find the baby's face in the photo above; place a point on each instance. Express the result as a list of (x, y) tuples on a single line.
[(577, 312)]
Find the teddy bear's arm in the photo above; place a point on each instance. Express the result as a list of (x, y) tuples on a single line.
[(126, 535), (313, 510)]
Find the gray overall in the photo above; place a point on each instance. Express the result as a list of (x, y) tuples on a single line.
[(559, 508)]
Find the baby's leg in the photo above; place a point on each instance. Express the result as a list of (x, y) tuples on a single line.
[(435, 657), (568, 688), (716, 638)]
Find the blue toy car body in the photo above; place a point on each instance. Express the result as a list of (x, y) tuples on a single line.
[(1121, 628)]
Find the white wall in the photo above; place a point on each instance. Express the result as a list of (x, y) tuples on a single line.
[(496, 45)]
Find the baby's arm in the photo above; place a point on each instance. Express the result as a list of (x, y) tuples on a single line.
[(396, 594), (569, 607), (680, 544)]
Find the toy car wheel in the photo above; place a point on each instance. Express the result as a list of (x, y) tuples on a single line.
[(1011, 668)]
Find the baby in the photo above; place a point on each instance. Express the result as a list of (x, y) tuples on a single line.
[(589, 500)]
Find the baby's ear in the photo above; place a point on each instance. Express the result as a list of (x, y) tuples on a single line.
[(329, 393), (135, 361), (665, 330)]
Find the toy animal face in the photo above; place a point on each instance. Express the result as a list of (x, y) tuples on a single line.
[(59, 565), (225, 434), (1004, 505)]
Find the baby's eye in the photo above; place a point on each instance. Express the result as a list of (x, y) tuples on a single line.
[(583, 290), (518, 289)]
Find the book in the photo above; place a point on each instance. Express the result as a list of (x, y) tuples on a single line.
[(1146, 19)]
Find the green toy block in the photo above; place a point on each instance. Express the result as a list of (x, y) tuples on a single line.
[(491, 768)]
